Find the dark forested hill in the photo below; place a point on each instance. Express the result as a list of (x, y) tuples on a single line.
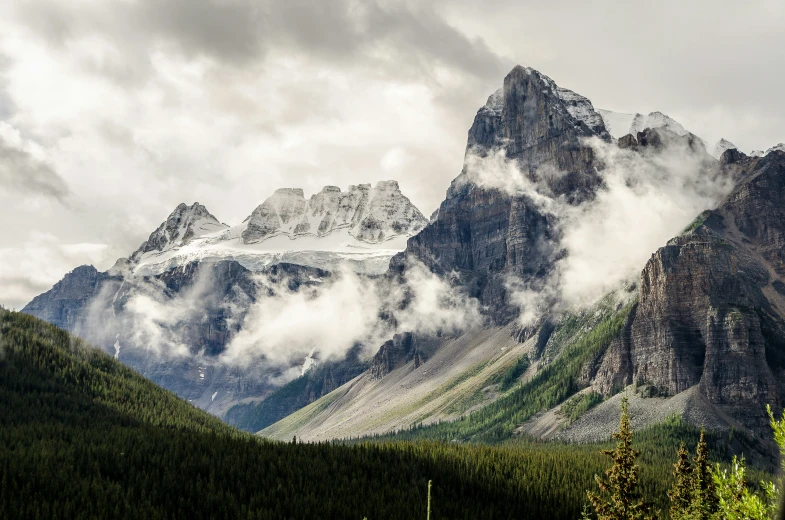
[(82, 436)]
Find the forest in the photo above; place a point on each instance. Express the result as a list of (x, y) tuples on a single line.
[(82, 436)]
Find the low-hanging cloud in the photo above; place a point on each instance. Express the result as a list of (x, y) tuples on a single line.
[(285, 327), (280, 323), (646, 198), (326, 321)]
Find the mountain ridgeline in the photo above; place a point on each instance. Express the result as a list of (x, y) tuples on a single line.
[(698, 334)]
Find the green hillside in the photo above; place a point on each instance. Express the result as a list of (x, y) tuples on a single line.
[(81, 436)]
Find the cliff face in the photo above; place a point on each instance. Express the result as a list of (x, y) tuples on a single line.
[(487, 234), (395, 353), (63, 305), (710, 312)]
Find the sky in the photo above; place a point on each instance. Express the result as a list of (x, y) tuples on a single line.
[(113, 112)]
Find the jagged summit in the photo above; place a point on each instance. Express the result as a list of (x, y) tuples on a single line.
[(776, 148), (620, 124), (184, 224), (371, 215), (362, 228), (656, 120), (721, 146)]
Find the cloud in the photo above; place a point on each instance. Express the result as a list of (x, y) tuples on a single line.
[(24, 170), (645, 199), (278, 325), (284, 327), (241, 32)]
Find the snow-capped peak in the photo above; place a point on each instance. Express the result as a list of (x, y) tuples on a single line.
[(360, 229), (656, 120), (776, 148), (372, 215), (183, 225), (720, 148), (617, 123), (581, 109)]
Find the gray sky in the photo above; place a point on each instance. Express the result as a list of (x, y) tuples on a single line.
[(113, 112)]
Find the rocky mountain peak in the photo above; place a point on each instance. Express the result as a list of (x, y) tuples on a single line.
[(183, 225), (656, 120), (370, 214), (721, 147)]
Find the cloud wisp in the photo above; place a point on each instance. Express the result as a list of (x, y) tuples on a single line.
[(645, 198)]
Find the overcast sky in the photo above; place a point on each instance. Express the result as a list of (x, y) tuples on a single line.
[(113, 112)]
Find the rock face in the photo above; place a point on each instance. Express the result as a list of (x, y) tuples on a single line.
[(183, 225), (63, 304), (710, 313), (371, 215), (486, 234), (395, 353)]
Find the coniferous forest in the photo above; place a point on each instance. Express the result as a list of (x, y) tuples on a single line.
[(82, 436)]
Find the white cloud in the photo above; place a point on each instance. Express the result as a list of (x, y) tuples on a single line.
[(646, 199)]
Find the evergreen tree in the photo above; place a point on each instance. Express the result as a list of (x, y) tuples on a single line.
[(621, 480), (681, 492), (704, 492)]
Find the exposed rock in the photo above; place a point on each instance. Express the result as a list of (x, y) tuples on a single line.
[(628, 141), (183, 225), (705, 317), (487, 235), (393, 354), (63, 305), (372, 215)]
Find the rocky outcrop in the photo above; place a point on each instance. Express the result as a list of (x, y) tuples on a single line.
[(486, 235), (395, 353), (183, 225), (709, 313), (372, 215), (64, 304)]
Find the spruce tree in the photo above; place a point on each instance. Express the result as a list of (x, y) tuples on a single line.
[(681, 492), (704, 492), (621, 480)]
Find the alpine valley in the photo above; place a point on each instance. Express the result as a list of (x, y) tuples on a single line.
[(581, 255)]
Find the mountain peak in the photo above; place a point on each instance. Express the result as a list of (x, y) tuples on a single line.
[(181, 226), (656, 120), (721, 146), (371, 215)]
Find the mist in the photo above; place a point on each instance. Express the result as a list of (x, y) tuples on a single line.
[(646, 197)]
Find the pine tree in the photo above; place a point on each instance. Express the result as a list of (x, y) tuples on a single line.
[(621, 480), (704, 492), (681, 492)]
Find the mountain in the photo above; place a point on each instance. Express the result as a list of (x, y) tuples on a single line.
[(620, 124), (761, 153), (567, 266), (720, 148), (173, 306), (699, 333), (361, 228), (83, 436), (486, 235)]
